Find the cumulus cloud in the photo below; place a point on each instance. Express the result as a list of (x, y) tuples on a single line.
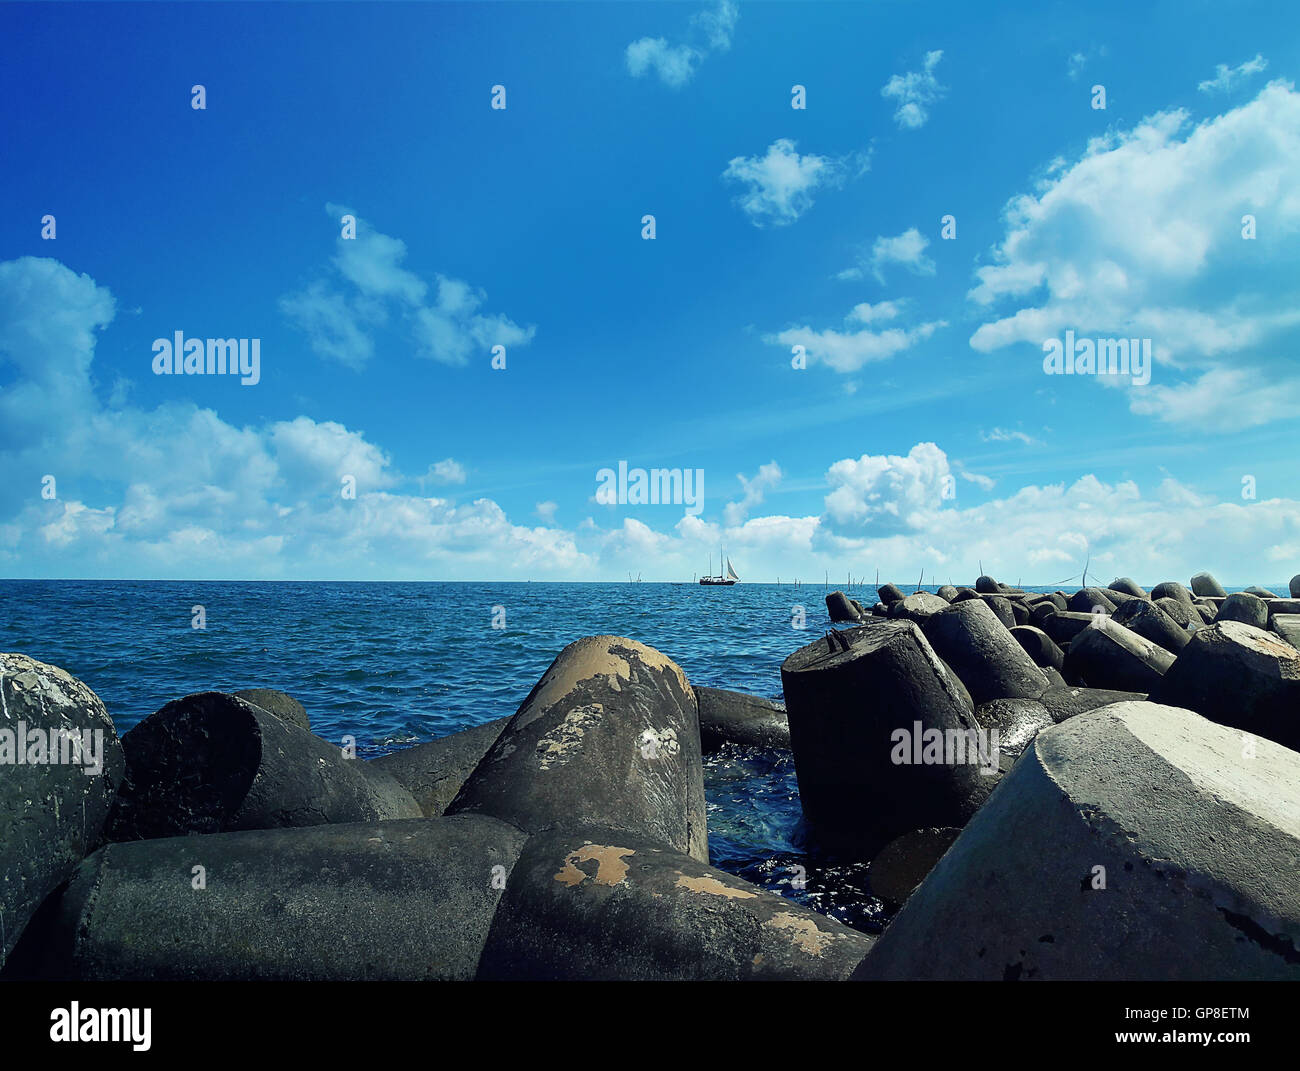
[(915, 92), (369, 288), (779, 186), (1142, 237), (906, 250), (675, 64), (848, 350), (1225, 77), (755, 487)]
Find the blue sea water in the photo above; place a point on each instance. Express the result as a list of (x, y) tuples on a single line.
[(394, 664)]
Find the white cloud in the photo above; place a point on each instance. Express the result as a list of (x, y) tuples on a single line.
[(339, 316), (1226, 77), (675, 63), (546, 512), (755, 487), (848, 351), (1004, 435), (915, 92), (1141, 238), (448, 470), (780, 184)]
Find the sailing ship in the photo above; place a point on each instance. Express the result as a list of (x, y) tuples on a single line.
[(726, 579)]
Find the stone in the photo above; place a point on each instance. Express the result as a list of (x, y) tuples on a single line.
[(1017, 722), (214, 763), (1205, 584), (1107, 655), (52, 810), (1294, 586), (919, 608), (733, 717), (1239, 676), (1151, 622), (1262, 593), (1039, 646), (1085, 600), (1127, 586), (1243, 607), (947, 592), (857, 701), (903, 863), (840, 607), (1133, 843), (1064, 627), (1064, 703), (888, 593), (982, 652), (1288, 627), (278, 703), (986, 585), (1179, 612), (434, 771), (610, 734), (1171, 589)]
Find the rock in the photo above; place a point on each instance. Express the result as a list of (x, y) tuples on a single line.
[(1086, 600), (278, 703), (741, 719), (1064, 627), (1262, 593), (52, 809), (1133, 843), (1207, 614), (1151, 622), (403, 900), (858, 607), (1205, 584), (1127, 586), (903, 863), (1171, 589), (986, 585), (840, 607), (1108, 655), (1294, 586), (918, 608), (947, 592), (857, 701), (434, 771), (1282, 606), (1240, 676), (1054, 678), (1040, 612), (880, 610), (888, 593), (596, 904), (1017, 722), (982, 652), (1248, 609), (1065, 703), (610, 734), (1179, 612), (1001, 607), (1288, 627), (1039, 646), (212, 763)]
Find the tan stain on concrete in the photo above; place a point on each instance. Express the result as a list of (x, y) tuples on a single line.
[(611, 868), (803, 932), (589, 658), (714, 887)]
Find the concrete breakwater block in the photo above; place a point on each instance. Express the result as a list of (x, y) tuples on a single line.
[(840, 608), (903, 863), (983, 653), (1240, 676), (1288, 627), (610, 734), (278, 703), (1171, 589), (60, 767), (1064, 626), (1294, 586), (1017, 721), (1136, 842), (1107, 655), (740, 719), (212, 763), (433, 772), (1039, 646), (1151, 622), (400, 900), (592, 903), (1067, 702), (864, 705), (918, 608), (1205, 585), (1244, 607)]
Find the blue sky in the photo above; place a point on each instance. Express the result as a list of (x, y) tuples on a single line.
[(923, 431)]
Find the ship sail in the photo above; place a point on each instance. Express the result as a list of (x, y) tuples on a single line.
[(731, 573)]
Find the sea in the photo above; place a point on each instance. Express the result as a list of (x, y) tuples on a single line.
[(396, 664)]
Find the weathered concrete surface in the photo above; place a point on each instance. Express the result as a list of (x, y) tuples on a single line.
[(1067, 702), (592, 903), (610, 734), (1196, 844), (1063, 627), (1086, 600), (51, 812), (1171, 589), (1128, 586), (851, 697), (1151, 622), (740, 719), (889, 593), (1288, 627), (1294, 586), (982, 652), (434, 771), (919, 608), (278, 703), (1039, 646), (1107, 655), (1246, 608), (902, 864), (401, 900), (1241, 676), (213, 763), (1017, 722)]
